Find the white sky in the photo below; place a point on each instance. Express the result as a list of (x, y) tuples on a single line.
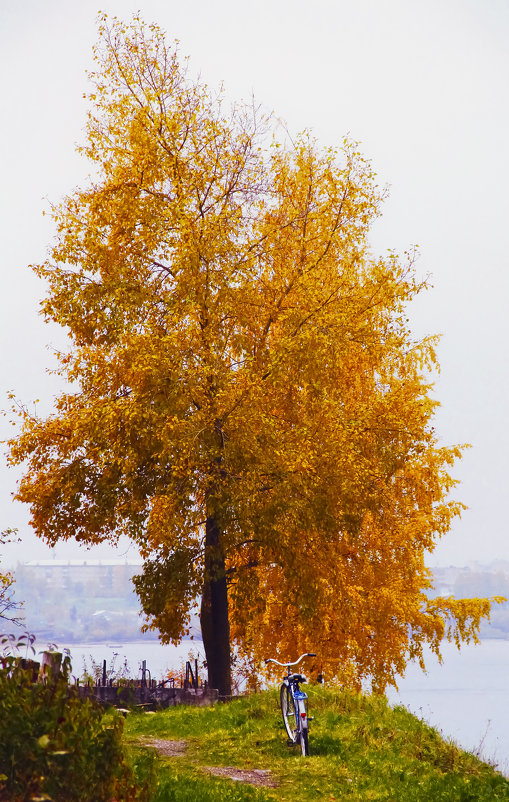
[(423, 86)]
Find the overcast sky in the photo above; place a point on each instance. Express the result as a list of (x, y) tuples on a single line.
[(422, 86)]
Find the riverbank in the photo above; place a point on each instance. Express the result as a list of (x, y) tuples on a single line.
[(360, 748), (466, 697)]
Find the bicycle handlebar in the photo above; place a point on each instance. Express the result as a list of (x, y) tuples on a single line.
[(287, 665)]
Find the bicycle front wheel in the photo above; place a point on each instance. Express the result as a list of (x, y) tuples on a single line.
[(289, 712)]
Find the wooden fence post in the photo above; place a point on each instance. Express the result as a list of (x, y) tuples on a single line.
[(50, 666)]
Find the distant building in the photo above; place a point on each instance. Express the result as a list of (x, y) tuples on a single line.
[(112, 574)]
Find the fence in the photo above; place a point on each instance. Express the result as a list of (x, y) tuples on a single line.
[(141, 692)]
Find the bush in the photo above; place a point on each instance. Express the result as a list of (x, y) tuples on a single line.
[(57, 746)]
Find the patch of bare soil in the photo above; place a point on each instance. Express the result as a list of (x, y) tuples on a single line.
[(164, 747), (259, 777)]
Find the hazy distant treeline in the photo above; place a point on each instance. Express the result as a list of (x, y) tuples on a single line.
[(94, 602), (79, 603), (479, 581)]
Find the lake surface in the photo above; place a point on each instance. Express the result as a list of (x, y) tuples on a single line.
[(160, 660), (466, 698)]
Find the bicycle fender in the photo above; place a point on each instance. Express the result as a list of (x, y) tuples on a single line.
[(303, 718)]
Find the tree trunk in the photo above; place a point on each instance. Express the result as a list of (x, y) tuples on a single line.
[(215, 624)]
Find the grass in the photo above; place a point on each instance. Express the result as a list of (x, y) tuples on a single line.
[(360, 749)]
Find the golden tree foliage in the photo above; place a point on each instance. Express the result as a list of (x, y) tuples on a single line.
[(246, 400)]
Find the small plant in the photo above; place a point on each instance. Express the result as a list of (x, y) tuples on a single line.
[(14, 644), (178, 672), (94, 672)]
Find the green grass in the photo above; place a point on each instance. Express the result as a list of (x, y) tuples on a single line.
[(360, 749)]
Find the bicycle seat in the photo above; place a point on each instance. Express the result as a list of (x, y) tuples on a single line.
[(297, 678)]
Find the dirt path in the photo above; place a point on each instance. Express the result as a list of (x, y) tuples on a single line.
[(258, 777), (165, 747)]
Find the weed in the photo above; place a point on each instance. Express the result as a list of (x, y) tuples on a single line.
[(94, 672)]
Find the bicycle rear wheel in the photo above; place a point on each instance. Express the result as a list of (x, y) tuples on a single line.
[(303, 728), (289, 712), (304, 743)]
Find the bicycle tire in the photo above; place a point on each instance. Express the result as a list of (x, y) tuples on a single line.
[(304, 745), (303, 730), (288, 712)]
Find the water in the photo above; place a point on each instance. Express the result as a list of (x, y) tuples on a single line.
[(160, 660), (466, 698)]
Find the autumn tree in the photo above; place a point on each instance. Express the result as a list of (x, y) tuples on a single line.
[(9, 606), (246, 401)]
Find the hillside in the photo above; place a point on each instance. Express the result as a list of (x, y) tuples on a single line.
[(360, 749)]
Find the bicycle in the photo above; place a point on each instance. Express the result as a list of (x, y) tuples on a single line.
[(293, 704)]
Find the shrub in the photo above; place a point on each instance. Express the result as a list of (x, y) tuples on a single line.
[(57, 746)]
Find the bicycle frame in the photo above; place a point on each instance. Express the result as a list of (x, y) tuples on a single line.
[(293, 704)]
